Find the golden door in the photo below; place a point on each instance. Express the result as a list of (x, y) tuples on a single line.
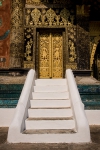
[(50, 55)]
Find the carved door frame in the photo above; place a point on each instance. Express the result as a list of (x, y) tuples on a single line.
[(36, 47)]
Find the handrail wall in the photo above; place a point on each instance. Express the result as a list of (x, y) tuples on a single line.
[(21, 113), (82, 125)]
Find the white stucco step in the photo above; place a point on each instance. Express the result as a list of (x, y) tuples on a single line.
[(43, 82), (51, 88), (50, 103), (38, 113), (50, 124), (50, 95)]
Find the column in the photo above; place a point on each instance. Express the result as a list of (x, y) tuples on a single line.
[(17, 34)]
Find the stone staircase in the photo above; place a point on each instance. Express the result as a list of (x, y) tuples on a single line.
[(50, 109)]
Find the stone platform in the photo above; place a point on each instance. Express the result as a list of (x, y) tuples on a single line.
[(12, 79), (89, 80)]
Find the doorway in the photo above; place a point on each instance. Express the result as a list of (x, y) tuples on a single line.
[(50, 55)]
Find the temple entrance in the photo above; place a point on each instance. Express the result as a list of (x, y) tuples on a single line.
[(50, 55)]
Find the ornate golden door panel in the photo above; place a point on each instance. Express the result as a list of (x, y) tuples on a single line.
[(50, 55)]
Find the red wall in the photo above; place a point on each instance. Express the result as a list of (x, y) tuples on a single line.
[(5, 43)]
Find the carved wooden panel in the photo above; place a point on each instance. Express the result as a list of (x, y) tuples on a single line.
[(51, 55), (57, 56), (49, 17), (44, 56)]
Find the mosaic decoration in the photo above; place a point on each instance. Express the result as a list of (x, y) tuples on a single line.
[(89, 89), (4, 36), (1, 1), (0, 22), (28, 48), (90, 95), (17, 34), (48, 17), (10, 93)]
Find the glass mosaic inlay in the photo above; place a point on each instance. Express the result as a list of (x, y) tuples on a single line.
[(10, 93), (1, 1), (0, 22)]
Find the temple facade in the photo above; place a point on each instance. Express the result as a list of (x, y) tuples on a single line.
[(50, 36)]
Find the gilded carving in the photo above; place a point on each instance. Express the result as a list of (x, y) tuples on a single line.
[(50, 14), (28, 48), (35, 14), (72, 52), (72, 66), (57, 60), (32, 1), (28, 51), (43, 17), (44, 56), (92, 55), (48, 17), (28, 64), (17, 34), (50, 56), (72, 55), (27, 16)]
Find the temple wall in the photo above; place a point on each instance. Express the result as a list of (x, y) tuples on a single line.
[(83, 39), (19, 24), (4, 33)]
